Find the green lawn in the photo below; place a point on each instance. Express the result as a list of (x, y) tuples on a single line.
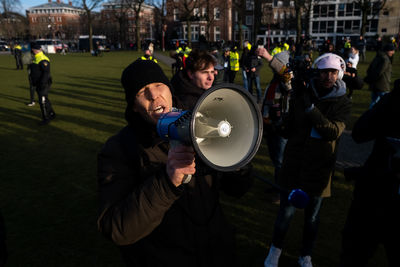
[(48, 174)]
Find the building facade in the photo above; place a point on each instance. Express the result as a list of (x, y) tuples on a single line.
[(338, 19), (211, 20), (389, 19), (119, 22), (55, 20)]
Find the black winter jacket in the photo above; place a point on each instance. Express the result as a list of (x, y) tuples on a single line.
[(153, 222)]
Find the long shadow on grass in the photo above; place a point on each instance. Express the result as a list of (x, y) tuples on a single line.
[(102, 111), (48, 195), (84, 96), (86, 87)]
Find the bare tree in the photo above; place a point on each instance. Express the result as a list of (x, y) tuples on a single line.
[(240, 7), (121, 16), (89, 6), (186, 8), (7, 6), (161, 25), (136, 6), (369, 7), (302, 11)]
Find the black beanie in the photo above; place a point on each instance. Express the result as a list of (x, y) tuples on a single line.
[(139, 74), (388, 47)]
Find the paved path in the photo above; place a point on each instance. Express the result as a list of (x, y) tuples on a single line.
[(350, 154), (165, 59)]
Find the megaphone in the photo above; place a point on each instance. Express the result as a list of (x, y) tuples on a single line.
[(224, 128)]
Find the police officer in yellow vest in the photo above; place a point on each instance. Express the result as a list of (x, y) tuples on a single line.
[(148, 55), (234, 63), (18, 56), (41, 79)]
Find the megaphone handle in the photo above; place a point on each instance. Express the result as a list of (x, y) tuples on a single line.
[(186, 179)]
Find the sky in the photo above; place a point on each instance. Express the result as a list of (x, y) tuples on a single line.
[(30, 3)]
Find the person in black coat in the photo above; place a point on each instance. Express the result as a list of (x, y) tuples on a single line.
[(197, 76), (373, 215), (148, 208), (41, 79)]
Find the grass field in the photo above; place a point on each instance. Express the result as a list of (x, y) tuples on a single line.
[(48, 174)]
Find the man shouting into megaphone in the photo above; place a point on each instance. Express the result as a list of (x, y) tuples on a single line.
[(145, 208)]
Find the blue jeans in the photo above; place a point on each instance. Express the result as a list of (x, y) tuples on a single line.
[(311, 222), (375, 97), (253, 78), (244, 76), (276, 147)]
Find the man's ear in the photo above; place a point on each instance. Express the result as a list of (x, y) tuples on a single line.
[(190, 74), (134, 108)]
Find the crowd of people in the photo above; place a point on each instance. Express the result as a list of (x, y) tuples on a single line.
[(158, 217)]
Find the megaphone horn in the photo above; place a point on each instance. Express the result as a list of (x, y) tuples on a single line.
[(225, 127)]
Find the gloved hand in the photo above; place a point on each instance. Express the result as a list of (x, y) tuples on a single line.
[(275, 112), (307, 99)]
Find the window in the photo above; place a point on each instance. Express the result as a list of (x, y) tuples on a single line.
[(331, 10), (202, 30), (282, 15), (195, 33), (324, 11), (384, 30), (59, 19), (203, 11), (217, 33), (339, 26), (249, 5), (386, 13), (217, 14), (275, 15), (291, 3), (249, 20), (196, 12), (176, 14)]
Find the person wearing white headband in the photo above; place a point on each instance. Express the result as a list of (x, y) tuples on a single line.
[(318, 111)]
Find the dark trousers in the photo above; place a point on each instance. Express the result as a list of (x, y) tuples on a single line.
[(18, 61), (232, 75), (311, 223), (371, 222), (45, 104)]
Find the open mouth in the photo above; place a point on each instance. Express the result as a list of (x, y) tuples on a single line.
[(159, 109)]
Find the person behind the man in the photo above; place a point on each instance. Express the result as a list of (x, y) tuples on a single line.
[(219, 67), (379, 73), (198, 75), (252, 65), (362, 45), (148, 55), (242, 63), (227, 65), (18, 56), (274, 102), (373, 215), (41, 79), (316, 120), (147, 206), (234, 64)]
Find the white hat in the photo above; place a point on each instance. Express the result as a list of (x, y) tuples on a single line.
[(330, 62)]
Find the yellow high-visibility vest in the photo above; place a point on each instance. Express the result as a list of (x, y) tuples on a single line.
[(234, 60), (149, 58), (276, 50), (40, 57)]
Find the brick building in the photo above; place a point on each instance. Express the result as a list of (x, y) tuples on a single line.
[(55, 20), (211, 19), (119, 22)]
